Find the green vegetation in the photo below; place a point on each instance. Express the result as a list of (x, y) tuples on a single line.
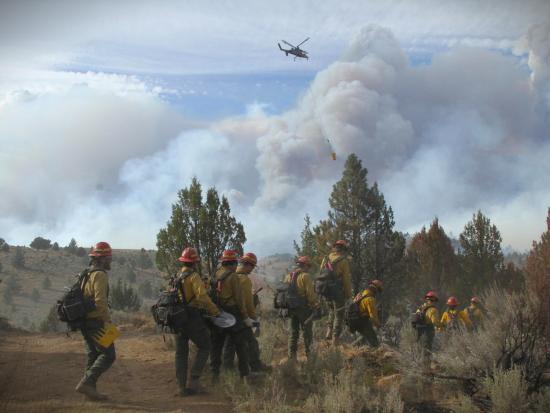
[(206, 224)]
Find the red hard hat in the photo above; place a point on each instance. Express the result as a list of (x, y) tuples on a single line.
[(304, 260), (101, 249), (452, 301), (378, 284), (189, 254), (432, 295), (249, 258), (342, 243), (229, 255), (474, 300)]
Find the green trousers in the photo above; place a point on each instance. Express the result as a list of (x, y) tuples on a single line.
[(336, 316), (99, 359), (253, 348), (219, 337), (201, 338), (426, 337), (297, 319), (368, 335)]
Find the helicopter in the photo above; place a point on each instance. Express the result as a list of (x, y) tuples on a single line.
[(295, 50)]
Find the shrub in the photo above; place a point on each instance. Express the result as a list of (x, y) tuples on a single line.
[(46, 283), (55, 246), (513, 334), (35, 295), (145, 289), (51, 324), (4, 246), (130, 275), (507, 390), (18, 260), (124, 297), (40, 243)]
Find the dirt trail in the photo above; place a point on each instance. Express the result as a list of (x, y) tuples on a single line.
[(38, 373)]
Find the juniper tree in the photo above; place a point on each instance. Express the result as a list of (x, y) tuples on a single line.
[(434, 264), (40, 243), (206, 225), (481, 252)]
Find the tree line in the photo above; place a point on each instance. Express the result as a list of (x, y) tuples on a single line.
[(408, 265)]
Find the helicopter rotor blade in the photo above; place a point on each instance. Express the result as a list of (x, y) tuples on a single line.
[(303, 42), (285, 42)]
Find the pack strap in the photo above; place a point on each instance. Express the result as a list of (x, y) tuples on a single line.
[(181, 280)]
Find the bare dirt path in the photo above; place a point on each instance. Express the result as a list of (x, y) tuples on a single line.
[(38, 373)]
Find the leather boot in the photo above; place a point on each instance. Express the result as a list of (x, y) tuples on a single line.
[(89, 391)]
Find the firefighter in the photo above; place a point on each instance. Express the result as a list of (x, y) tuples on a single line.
[(453, 319), (368, 314), (475, 312), (426, 320), (96, 288), (247, 263), (192, 292), (338, 260), (301, 317), (228, 296)]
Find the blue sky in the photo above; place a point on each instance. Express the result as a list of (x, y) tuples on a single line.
[(435, 97)]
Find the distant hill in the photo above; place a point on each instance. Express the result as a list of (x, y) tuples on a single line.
[(27, 308)]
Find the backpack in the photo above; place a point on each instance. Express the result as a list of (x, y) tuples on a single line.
[(287, 296), (73, 306), (328, 284), (352, 314), (418, 318), (170, 312), (453, 321), (216, 287)]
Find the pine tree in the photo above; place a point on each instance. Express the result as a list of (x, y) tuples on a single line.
[(207, 226), (72, 247), (308, 244), (55, 246), (481, 252), (349, 216), (359, 214)]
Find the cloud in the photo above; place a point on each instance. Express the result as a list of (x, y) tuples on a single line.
[(465, 132), (240, 36)]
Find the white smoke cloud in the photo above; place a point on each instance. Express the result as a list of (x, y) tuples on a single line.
[(446, 139)]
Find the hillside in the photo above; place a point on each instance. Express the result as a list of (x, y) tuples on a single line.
[(27, 309)]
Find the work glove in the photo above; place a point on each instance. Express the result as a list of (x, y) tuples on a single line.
[(249, 322)]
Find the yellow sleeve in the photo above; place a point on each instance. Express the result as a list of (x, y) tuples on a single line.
[(287, 279), (432, 314), (373, 311), (201, 296), (345, 273), (465, 319), (100, 288), (248, 296), (238, 295), (444, 318), (307, 287)]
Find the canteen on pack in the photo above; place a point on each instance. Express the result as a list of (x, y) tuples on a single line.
[(224, 320)]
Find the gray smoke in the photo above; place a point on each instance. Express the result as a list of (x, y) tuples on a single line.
[(466, 132)]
